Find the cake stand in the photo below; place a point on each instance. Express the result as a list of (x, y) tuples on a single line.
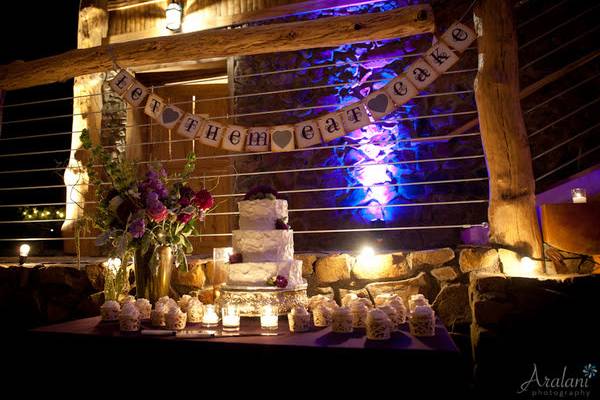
[(251, 299)]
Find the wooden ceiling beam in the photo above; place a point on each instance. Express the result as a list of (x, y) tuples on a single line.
[(324, 32)]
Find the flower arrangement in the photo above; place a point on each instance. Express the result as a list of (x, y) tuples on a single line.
[(141, 216)]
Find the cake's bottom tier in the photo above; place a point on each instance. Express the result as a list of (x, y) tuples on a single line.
[(251, 302), (257, 274)]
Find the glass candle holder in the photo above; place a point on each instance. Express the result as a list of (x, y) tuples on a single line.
[(220, 262), (268, 317), (230, 314), (210, 317), (579, 195)]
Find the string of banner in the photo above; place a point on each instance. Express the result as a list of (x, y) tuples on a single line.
[(420, 74)]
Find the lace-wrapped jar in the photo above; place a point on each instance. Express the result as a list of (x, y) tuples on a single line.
[(379, 326), (341, 320)]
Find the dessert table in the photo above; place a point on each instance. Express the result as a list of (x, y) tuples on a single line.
[(253, 356), (251, 335)]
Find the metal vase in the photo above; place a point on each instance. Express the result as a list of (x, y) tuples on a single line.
[(153, 286)]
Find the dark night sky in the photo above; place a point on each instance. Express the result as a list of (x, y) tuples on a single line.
[(45, 28)]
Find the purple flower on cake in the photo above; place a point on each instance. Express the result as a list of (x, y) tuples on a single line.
[(281, 224), (279, 281), (236, 258), (262, 192)]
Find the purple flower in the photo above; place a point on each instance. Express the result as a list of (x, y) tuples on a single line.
[(137, 228), (186, 195), (261, 192), (155, 209), (235, 258), (281, 281), (281, 224)]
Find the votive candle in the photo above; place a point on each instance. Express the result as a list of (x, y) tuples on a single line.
[(231, 317), (578, 195), (210, 317), (269, 318)]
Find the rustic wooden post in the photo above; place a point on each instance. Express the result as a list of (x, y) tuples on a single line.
[(512, 215), (92, 28)]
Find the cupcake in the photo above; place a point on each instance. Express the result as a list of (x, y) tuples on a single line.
[(398, 305), (144, 307), (129, 318), (378, 325), (194, 310), (348, 299), (183, 301), (322, 315), (175, 318), (365, 301), (157, 316), (422, 321), (417, 300), (359, 314), (341, 320), (168, 302), (299, 319), (110, 310), (392, 315)]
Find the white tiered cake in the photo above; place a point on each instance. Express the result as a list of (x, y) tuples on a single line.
[(267, 253)]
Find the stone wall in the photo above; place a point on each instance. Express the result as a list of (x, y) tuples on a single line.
[(337, 84), (521, 321)]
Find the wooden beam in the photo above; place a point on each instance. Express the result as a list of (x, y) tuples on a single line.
[(93, 26), (324, 32), (212, 21), (511, 213)]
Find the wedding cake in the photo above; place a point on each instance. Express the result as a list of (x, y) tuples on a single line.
[(263, 247)]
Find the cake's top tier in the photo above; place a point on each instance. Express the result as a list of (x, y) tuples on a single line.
[(260, 215)]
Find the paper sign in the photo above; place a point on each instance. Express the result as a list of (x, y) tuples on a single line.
[(307, 133), (440, 57), (154, 106), (282, 138), (136, 94), (331, 126), (354, 116), (190, 125), (379, 104), (421, 74), (459, 36), (258, 139), (170, 116), (121, 82), (234, 138), (400, 90), (211, 133)]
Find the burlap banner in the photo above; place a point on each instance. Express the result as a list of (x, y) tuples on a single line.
[(420, 74)]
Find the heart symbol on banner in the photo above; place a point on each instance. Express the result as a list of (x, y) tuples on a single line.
[(169, 115), (378, 103), (282, 138)]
